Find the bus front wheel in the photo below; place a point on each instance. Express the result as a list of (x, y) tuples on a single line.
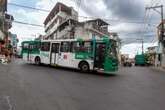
[(37, 61), (84, 66)]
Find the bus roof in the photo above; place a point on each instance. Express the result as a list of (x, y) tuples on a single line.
[(34, 41), (67, 40)]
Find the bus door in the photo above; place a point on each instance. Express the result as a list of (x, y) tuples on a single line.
[(54, 53), (30, 52), (99, 55)]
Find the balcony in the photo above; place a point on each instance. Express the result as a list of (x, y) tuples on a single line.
[(101, 29), (95, 27), (60, 14), (8, 21)]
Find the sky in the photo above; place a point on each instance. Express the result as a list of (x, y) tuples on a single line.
[(126, 17)]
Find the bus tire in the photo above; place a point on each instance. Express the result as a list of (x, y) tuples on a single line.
[(37, 61), (84, 66)]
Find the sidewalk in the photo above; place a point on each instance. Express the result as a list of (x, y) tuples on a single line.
[(162, 69)]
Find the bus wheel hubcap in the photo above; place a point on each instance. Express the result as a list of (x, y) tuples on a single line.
[(85, 67)]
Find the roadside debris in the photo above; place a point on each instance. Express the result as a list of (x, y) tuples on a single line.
[(3, 59)]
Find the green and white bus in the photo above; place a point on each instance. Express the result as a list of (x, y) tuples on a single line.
[(86, 55)]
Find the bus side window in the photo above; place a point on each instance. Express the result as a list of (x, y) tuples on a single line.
[(30, 47), (25, 46), (45, 46), (37, 46), (73, 47), (65, 47)]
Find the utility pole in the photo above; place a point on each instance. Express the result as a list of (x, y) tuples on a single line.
[(142, 44), (142, 47), (162, 26)]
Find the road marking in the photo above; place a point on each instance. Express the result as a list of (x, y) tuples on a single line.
[(8, 102)]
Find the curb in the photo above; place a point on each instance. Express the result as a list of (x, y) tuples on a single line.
[(159, 69)]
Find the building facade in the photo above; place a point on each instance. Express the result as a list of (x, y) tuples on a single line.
[(153, 55), (161, 46), (58, 15), (3, 9), (13, 40), (5, 24), (62, 23)]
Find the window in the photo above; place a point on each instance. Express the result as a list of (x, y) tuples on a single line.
[(55, 47), (81, 46), (25, 46), (74, 46), (45, 46), (34, 46), (65, 47)]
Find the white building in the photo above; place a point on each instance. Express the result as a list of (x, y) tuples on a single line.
[(86, 30), (59, 14)]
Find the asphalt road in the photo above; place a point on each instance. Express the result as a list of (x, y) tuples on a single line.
[(30, 87)]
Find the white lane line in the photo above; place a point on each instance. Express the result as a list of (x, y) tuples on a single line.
[(8, 102)]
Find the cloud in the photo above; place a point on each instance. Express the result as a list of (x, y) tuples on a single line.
[(125, 9), (95, 8)]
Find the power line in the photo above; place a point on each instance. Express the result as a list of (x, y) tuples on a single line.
[(153, 2), (85, 17), (25, 23), (28, 7)]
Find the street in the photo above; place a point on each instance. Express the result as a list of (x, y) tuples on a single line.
[(30, 87)]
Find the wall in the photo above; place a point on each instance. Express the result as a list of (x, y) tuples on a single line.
[(1, 35)]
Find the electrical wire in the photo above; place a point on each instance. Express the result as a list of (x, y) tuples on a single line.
[(85, 17), (25, 23), (28, 7)]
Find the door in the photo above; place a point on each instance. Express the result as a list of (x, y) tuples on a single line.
[(54, 53), (99, 55), (28, 53)]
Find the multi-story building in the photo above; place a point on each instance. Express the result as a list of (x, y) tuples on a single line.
[(161, 46), (73, 29), (62, 23), (3, 9), (152, 53), (13, 40), (58, 15), (5, 24)]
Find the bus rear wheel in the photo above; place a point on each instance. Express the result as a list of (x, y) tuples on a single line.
[(84, 66), (37, 61)]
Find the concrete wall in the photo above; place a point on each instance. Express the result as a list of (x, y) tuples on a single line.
[(163, 60), (2, 35), (64, 17)]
